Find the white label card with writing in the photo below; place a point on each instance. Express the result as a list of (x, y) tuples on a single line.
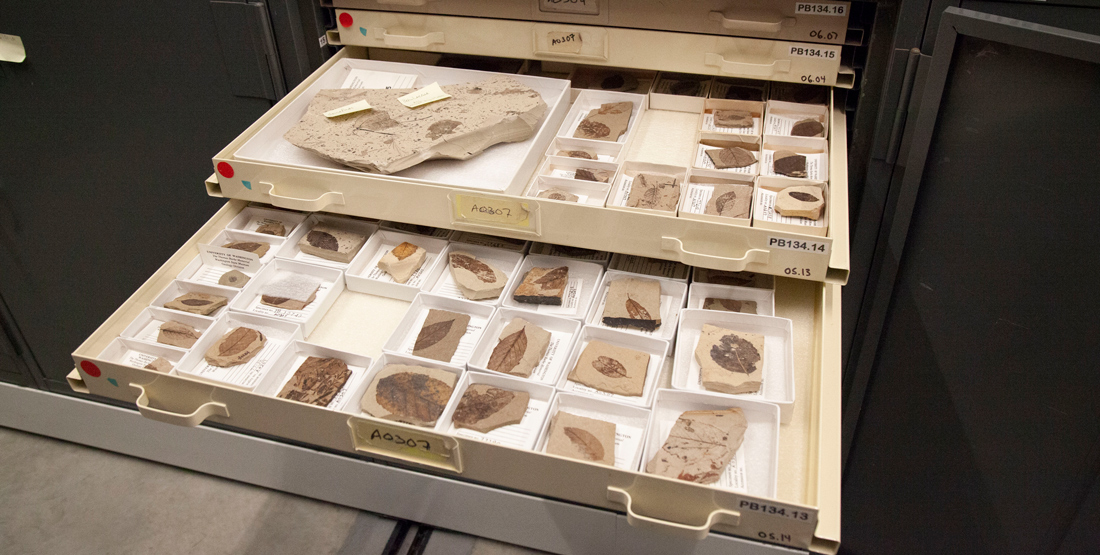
[(565, 42), (427, 95), (822, 53), (368, 79), (246, 262), (349, 109), (798, 245), (807, 8)]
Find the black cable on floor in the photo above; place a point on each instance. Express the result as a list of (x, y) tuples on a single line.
[(397, 538), (420, 541)]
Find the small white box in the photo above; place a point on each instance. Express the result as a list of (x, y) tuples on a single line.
[(815, 150), (404, 336), (505, 261), (246, 376), (657, 349), (296, 353), (699, 292), (427, 230), (755, 466), (732, 88), (522, 435), (711, 141), (563, 333), (132, 352), (290, 250), (354, 403), (624, 181), (180, 288), (602, 258), (592, 193), (146, 327), (588, 100), (673, 296), (584, 278), (506, 243), (700, 188), (200, 271), (777, 372), (364, 275), (252, 217), (566, 168), (706, 121), (782, 116), (766, 217), (606, 151), (664, 97), (668, 269), (740, 279), (214, 253), (331, 285), (630, 425)]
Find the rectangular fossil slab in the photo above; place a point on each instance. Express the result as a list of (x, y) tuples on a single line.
[(612, 369), (519, 349), (654, 191), (439, 336), (582, 438), (408, 393), (543, 286), (316, 381), (729, 305), (177, 334), (802, 201), (633, 303), (700, 445), (331, 243), (403, 261), (484, 408), (391, 136), (730, 201), (238, 346), (730, 361), (290, 291), (197, 303), (606, 123)]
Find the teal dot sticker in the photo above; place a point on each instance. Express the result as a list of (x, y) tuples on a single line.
[(113, 382), (247, 185), (363, 31)]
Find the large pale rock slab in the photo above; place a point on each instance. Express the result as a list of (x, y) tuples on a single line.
[(700, 445), (415, 395), (484, 408), (177, 334), (236, 347), (612, 369), (730, 361), (316, 381), (730, 201), (391, 137), (519, 349), (475, 278), (633, 303), (581, 438), (439, 336)]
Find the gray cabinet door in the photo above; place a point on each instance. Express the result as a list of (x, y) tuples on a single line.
[(980, 429)]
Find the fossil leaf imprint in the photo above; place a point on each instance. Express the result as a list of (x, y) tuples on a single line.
[(609, 367), (585, 442), (238, 341), (432, 334), (508, 352), (480, 269), (735, 354)]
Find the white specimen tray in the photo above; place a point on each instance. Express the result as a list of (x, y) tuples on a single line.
[(673, 295), (365, 276), (296, 353), (630, 425), (332, 284), (765, 298), (132, 352), (290, 250), (404, 337), (179, 288), (504, 260), (146, 327), (563, 333), (584, 278), (353, 404), (522, 435), (657, 350), (252, 217), (247, 376)]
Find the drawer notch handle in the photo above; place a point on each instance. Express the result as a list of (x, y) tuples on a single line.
[(753, 21), (717, 516), (729, 264), (407, 41), (745, 68), (196, 417), (318, 204)]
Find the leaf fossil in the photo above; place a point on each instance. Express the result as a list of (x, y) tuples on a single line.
[(195, 302), (636, 310), (323, 240), (414, 395), (238, 340), (585, 442), (475, 407), (609, 367), (804, 197), (726, 199), (735, 354), (554, 279), (432, 334), (508, 352), (480, 269)]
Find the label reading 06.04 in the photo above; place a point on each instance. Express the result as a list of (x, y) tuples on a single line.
[(805, 8), (797, 245), (811, 52)]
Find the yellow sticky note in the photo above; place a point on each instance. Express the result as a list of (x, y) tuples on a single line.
[(350, 108), (427, 95)]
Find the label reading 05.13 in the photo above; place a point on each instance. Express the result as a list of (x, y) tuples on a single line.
[(797, 245), (805, 8), (811, 52)]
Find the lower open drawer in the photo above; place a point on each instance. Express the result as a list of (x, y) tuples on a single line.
[(804, 513)]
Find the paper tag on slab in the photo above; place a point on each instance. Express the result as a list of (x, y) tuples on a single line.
[(11, 49), (246, 262), (349, 109), (427, 95)]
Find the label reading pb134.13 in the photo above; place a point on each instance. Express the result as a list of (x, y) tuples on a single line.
[(806, 8)]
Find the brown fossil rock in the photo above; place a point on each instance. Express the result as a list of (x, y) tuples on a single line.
[(413, 394), (238, 346), (583, 153), (519, 349), (331, 243), (272, 228), (809, 127), (700, 445), (177, 334), (543, 286), (234, 278), (611, 368), (741, 279), (730, 361), (654, 191), (731, 157), (257, 248), (790, 164), (403, 261), (606, 123), (475, 278), (578, 437), (633, 303), (439, 336), (197, 303), (730, 201), (803, 201), (559, 194), (484, 408), (160, 364), (316, 381), (729, 305), (732, 118)]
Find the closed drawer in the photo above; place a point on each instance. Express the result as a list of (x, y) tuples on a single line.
[(821, 22), (804, 512), (593, 12)]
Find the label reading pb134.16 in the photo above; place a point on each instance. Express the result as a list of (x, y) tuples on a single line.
[(806, 8)]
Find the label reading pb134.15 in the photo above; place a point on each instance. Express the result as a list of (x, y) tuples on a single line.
[(806, 8), (812, 52)]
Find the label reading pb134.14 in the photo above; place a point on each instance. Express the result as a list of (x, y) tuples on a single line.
[(798, 245), (806, 8)]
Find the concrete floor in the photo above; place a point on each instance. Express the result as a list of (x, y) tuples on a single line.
[(58, 497)]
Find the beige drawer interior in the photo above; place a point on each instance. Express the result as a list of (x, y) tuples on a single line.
[(805, 512)]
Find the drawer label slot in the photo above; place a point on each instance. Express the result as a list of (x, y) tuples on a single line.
[(820, 52), (409, 445), (807, 8), (495, 212), (816, 247)]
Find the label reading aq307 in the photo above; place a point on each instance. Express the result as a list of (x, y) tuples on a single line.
[(811, 52), (796, 245), (820, 9)]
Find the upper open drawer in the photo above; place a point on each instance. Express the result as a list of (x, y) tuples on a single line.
[(492, 192)]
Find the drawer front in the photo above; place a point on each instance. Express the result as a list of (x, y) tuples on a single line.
[(776, 60), (809, 470), (797, 20), (694, 242), (592, 12)]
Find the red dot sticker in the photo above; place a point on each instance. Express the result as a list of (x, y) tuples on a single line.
[(225, 169), (90, 369), (345, 19)]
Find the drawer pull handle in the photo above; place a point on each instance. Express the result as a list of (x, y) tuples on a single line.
[(753, 21), (724, 516), (729, 264), (306, 205), (403, 2), (407, 41), (744, 68), (205, 410)]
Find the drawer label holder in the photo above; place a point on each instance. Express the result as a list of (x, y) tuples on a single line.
[(494, 212), (398, 442), (806, 8)]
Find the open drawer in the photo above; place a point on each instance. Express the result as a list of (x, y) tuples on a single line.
[(803, 513), (277, 176)]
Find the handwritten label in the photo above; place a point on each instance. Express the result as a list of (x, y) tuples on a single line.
[(812, 52), (797, 245), (427, 95), (349, 109), (561, 41), (805, 8), (246, 262), (583, 7), (492, 211), (422, 447)]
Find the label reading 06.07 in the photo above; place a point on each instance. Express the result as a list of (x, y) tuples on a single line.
[(797, 245), (811, 52), (820, 9)]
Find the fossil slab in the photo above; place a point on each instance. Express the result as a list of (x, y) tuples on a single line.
[(700, 445), (290, 291), (788, 163), (412, 394), (391, 137), (622, 82), (686, 87), (331, 243), (234, 278), (732, 118), (177, 334), (559, 194), (633, 303), (197, 303), (729, 305), (803, 201), (484, 408), (519, 348), (582, 153), (316, 381), (582, 438), (439, 336), (236, 347), (272, 228), (738, 92), (612, 369), (258, 248), (543, 286), (730, 201), (160, 364), (606, 123), (809, 127), (403, 261), (730, 361), (588, 174), (731, 157), (654, 191), (741, 279), (475, 278)]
